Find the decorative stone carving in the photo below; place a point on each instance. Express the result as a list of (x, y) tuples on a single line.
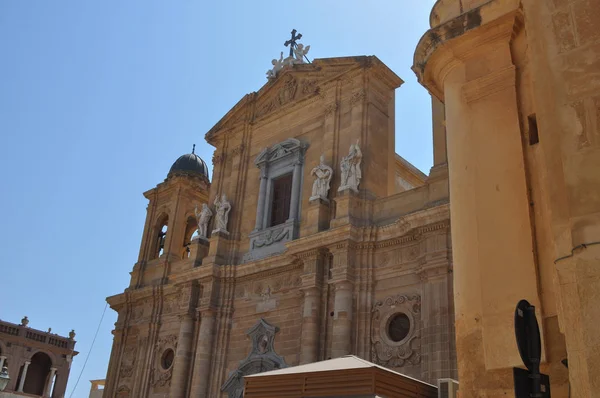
[(218, 159), (238, 150), (310, 87), (277, 66), (286, 94), (270, 237), (222, 207), (123, 391), (278, 151), (350, 168), (357, 97), (161, 376), (386, 350), (330, 109), (262, 358), (288, 91), (128, 361), (323, 174), (25, 321), (266, 294), (203, 218)]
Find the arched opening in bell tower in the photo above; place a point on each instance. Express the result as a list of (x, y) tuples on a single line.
[(38, 371), (160, 236), (191, 230)]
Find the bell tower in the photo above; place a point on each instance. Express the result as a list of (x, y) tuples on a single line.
[(170, 220)]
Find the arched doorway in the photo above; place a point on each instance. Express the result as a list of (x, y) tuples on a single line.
[(37, 374)]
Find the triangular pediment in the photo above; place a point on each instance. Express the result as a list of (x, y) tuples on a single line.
[(296, 83)]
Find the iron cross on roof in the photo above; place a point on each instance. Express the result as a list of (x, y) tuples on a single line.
[(292, 42)]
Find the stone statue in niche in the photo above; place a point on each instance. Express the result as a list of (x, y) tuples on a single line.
[(222, 207), (350, 167), (277, 66), (203, 217), (323, 174)]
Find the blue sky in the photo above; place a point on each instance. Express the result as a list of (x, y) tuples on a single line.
[(98, 98)]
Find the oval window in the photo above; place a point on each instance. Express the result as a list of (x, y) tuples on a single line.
[(167, 359), (399, 327)]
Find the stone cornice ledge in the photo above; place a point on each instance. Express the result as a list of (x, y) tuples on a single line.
[(445, 46)]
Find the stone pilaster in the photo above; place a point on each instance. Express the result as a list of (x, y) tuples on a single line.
[(312, 280), (437, 335), (183, 357), (309, 346), (342, 319), (201, 373)]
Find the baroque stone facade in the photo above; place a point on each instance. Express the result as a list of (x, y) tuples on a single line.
[(296, 279)]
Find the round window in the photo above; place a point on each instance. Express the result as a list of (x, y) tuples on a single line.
[(398, 327), (167, 359)]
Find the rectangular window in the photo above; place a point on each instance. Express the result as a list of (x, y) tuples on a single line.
[(280, 204), (534, 137)]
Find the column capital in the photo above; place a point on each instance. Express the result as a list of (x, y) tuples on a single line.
[(442, 47), (310, 291), (27, 363), (342, 285)]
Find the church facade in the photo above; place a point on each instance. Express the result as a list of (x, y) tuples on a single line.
[(317, 241)]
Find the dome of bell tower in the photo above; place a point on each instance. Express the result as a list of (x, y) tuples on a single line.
[(189, 164)]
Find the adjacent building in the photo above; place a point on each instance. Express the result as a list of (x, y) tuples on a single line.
[(38, 362)]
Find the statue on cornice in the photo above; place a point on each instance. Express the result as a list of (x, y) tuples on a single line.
[(323, 174), (277, 66), (350, 167), (222, 207), (203, 218), (300, 52)]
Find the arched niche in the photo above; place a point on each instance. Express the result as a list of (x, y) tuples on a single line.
[(262, 358)]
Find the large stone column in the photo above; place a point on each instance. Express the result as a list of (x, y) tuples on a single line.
[(201, 373), (23, 376), (494, 267), (2, 359), (183, 357)]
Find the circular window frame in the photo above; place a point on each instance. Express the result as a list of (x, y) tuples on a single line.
[(163, 358), (386, 325)]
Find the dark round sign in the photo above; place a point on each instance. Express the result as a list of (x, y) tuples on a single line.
[(527, 333)]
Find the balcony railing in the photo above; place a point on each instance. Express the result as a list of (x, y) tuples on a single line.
[(7, 328)]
